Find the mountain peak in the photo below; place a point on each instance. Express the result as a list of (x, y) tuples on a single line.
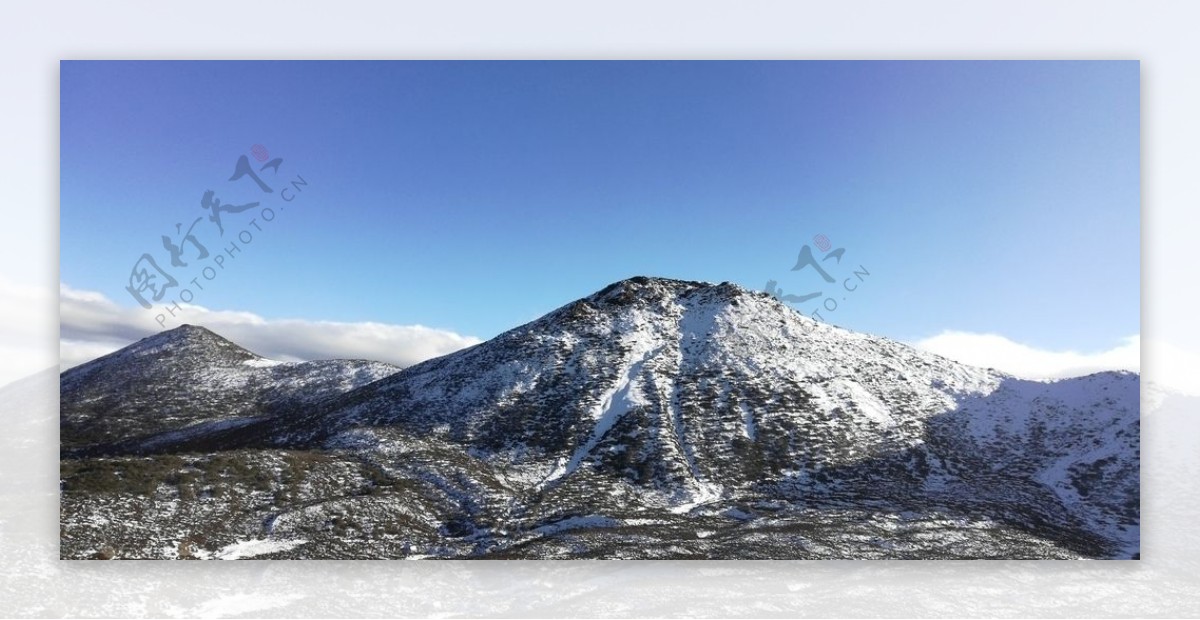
[(660, 284), (651, 291), (188, 335), (643, 285), (186, 341), (169, 381), (190, 331)]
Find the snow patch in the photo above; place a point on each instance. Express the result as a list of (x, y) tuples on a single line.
[(624, 396), (262, 362), (576, 523), (251, 548)]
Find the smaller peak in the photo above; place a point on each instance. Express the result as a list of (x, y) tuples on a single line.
[(189, 331), (185, 340), (185, 335)]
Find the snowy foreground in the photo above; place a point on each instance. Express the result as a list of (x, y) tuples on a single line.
[(654, 419)]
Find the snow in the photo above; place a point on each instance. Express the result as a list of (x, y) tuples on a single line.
[(574, 523), (702, 493), (624, 396), (643, 521), (262, 362), (750, 431), (867, 404), (251, 548)]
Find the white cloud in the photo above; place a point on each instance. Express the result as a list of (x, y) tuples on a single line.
[(93, 325), (995, 351)]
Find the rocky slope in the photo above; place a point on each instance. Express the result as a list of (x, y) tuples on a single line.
[(656, 418), (189, 376)]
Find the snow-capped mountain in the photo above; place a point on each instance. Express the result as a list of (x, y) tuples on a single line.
[(662, 418), (189, 380)]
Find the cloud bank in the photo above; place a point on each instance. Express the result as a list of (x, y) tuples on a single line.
[(91, 325), (994, 351)]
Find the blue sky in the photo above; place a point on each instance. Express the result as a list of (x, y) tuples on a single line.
[(989, 197)]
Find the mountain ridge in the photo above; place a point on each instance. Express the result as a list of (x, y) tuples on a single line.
[(673, 402)]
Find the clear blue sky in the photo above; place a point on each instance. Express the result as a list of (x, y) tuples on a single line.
[(994, 197)]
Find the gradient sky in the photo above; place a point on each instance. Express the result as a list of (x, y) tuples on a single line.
[(998, 197)]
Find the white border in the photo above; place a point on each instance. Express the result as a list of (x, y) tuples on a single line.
[(1160, 34)]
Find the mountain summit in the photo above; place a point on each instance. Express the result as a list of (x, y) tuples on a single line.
[(676, 380), (621, 424)]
